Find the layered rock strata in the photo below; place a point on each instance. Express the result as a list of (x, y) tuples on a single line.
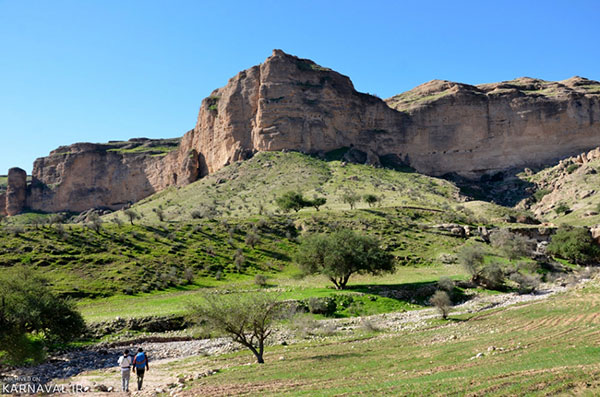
[(291, 103)]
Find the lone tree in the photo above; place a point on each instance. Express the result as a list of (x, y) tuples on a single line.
[(442, 302), (247, 319), (351, 199), (27, 305), (131, 215), (292, 201), (317, 202), (371, 199), (341, 254)]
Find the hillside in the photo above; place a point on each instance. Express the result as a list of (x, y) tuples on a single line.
[(249, 188)]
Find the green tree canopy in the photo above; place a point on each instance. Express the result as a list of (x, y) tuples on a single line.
[(292, 201), (574, 244), (341, 254), (27, 305)]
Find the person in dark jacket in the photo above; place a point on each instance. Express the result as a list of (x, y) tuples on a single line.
[(140, 366)]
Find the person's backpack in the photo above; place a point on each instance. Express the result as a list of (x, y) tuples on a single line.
[(140, 360)]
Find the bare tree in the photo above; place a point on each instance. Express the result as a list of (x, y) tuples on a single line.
[(247, 319)]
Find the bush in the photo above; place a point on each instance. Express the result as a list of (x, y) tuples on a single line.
[(446, 284), (574, 244), (325, 306), (526, 283), (562, 208), (471, 258), (512, 245), (442, 302), (28, 306), (371, 199), (260, 280), (341, 254), (572, 168)]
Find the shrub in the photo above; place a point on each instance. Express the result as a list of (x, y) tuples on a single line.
[(512, 245), (260, 280), (317, 202), (446, 284), (526, 283), (442, 302), (562, 208), (325, 306), (341, 254), (252, 239), (574, 244), (572, 168)]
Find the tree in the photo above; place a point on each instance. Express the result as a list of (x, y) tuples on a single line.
[(252, 239), (95, 222), (292, 201), (350, 198), (248, 319), (341, 254), (512, 245), (574, 244), (317, 202), (371, 199), (442, 302), (27, 305), (159, 213), (131, 215)]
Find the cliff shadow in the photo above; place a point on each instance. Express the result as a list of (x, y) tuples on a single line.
[(505, 188)]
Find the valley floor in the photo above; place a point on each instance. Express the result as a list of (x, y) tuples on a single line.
[(544, 344)]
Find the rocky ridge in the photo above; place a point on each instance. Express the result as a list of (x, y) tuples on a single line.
[(290, 103)]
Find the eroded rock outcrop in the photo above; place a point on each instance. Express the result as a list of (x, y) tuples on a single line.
[(291, 103), (85, 175), (16, 191)]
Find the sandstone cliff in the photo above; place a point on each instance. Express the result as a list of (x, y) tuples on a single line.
[(86, 175), (291, 103)]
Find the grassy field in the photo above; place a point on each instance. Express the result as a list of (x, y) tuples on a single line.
[(365, 290), (544, 348)]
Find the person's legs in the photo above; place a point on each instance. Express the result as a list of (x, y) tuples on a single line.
[(125, 374), (140, 377)]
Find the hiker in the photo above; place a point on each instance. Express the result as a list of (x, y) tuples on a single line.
[(125, 363), (140, 366)]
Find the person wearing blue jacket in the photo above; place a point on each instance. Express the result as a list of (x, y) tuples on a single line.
[(140, 366)]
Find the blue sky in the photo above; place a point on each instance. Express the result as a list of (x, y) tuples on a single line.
[(73, 71)]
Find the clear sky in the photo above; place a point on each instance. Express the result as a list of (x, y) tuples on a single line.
[(78, 70)]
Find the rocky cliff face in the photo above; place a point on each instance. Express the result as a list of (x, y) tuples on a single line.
[(286, 102), (475, 130), (86, 175), (16, 192)]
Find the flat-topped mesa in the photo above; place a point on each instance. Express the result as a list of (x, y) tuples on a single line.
[(112, 175), (488, 128)]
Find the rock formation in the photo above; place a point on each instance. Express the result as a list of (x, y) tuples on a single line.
[(85, 175), (291, 103), (16, 191)]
